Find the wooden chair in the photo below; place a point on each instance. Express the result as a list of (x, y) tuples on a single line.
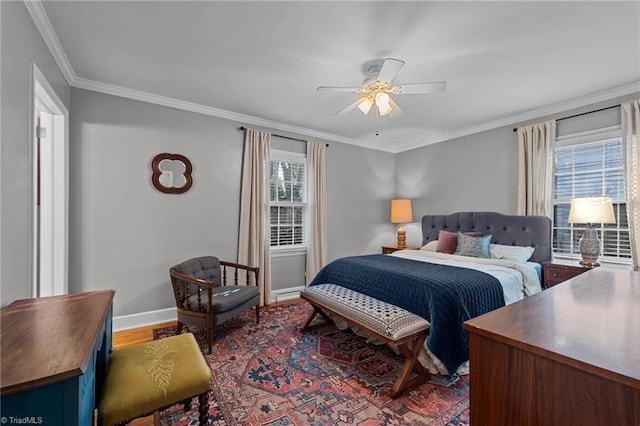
[(204, 299)]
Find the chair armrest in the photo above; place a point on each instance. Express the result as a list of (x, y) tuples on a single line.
[(236, 266)]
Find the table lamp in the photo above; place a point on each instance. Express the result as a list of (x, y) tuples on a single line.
[(401, 213), (591, 210)]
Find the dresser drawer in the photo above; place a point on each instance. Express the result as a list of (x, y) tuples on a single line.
[(555, 274)]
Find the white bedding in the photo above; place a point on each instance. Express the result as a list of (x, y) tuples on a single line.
[(517, 279)]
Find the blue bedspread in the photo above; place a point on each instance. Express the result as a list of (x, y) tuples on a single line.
[(444, 295)]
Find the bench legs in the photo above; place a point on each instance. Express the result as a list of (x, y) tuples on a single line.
[(411, 364), (307, 325)]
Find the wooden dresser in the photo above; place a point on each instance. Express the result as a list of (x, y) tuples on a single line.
[(569, 355), (558, 271), (54, 356)]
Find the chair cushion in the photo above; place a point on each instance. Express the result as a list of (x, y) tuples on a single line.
[(224, 298), (205, 268), (150, 376)]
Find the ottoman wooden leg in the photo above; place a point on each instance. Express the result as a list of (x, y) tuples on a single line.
[(203, 410), (187, 404)]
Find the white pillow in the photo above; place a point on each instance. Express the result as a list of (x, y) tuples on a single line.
[(513, 253), (430, 246)]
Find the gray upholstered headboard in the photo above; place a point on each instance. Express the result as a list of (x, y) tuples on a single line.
[(534, 231)]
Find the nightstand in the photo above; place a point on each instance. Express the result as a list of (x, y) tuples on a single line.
[(391, 249), (558, 271)]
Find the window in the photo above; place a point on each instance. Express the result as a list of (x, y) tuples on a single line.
[(593, 168), (288, 200)]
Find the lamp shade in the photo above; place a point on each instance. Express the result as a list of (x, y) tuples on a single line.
[(401, 211), (591, 210)]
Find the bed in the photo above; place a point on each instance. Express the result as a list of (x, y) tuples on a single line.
[(448, 289)]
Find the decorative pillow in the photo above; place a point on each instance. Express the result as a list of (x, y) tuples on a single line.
[(431, 246), (514, 253), (473, 246), (448, 241)]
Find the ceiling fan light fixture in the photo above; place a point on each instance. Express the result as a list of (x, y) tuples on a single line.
[(385, 111), (383, 103), (365, 105), (382, 99), (377, 89)]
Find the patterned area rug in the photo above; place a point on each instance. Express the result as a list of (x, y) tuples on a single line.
[(272, 374)]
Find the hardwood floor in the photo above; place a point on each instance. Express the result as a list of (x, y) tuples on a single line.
[(122, 339)]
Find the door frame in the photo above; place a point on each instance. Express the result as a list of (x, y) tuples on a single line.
[(42, 93)]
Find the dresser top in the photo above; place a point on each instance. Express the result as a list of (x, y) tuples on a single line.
[(50, 339), (590, 321)]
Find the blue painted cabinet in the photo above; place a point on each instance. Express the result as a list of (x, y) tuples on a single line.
[(55, 352)]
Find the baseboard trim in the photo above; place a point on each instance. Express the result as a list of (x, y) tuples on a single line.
[(144, 319), (286, 294)]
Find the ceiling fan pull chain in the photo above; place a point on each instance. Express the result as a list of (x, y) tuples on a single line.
[(377, 122)]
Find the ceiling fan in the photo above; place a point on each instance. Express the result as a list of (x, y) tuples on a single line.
[(377, 89)]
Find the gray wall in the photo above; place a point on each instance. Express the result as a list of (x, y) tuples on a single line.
[(475, 172), (361, 185), (125, 235), (21, 45), (479, 172)]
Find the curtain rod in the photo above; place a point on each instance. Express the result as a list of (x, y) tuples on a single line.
[(515, 129), (281, 136)]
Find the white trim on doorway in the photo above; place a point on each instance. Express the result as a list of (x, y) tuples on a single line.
[(54, 279)]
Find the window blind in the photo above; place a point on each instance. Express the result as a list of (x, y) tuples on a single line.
[(591, 169), (288, 208)]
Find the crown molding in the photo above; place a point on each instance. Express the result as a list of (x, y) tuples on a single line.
[(138, 95), (40, 18), (561, 107)]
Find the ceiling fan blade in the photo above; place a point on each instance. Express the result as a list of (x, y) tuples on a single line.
[(338, 89), (390, 69), (396, 109), (348, 108), (420, 88)]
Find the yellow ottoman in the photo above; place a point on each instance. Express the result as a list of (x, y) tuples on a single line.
[(151, 376)]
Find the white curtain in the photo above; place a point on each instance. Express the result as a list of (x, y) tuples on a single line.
[(631, 140), (535, 168), (317, 204), (253, 245)]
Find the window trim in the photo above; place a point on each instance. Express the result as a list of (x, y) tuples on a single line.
[(579, 138)]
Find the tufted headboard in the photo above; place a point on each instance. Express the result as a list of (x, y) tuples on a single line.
[(534, 231)]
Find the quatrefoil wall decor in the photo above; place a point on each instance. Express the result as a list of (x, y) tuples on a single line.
[(171, 173)]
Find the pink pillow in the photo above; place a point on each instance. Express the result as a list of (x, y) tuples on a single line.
[(448, 241)]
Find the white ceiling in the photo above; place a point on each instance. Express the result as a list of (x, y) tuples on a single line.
[(260, 62)]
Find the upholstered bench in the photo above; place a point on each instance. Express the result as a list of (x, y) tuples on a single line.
[(395, 326), (147, 377)]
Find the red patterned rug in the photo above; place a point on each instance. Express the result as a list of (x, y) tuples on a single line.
[(272, 374)]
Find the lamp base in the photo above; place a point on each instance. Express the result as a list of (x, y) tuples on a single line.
[(401, 240), (589, 247)]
